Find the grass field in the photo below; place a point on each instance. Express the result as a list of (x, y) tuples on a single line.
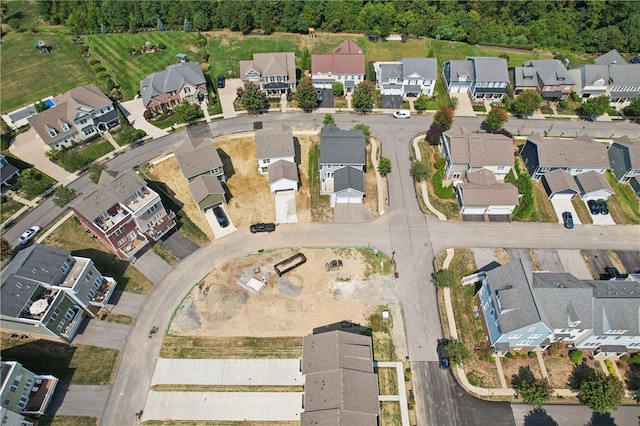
[(73, 364), (230, 347), (71, 236), (68, 421), (9, 208), (128, 70)]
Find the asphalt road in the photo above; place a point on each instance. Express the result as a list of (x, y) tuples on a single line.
[(410, 236)]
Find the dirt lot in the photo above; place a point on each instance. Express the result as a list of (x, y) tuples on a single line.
[(292, 305)]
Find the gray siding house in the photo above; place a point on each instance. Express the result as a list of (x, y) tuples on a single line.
[(482, 77), (549, 77), (24, 395), (408, 77), (624, 158), (273, 73)]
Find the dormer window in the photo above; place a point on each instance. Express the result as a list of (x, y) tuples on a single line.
[(65, 127), (52, 133)]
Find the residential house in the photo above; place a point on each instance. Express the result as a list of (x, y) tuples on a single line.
[(407, 77), (482, 196), (123, 213), (165, 89), (635, 184), (542, 155), (207, 192), (465, 151), (275, 150), (78, 115), (47, 291), (559, 184), (25, 395), (273, 73), (482, 77), (610, 58), (342, 149), (624, 158), (548, 77), (345, 65), (620, 81), (8, 173), (340, 386), (593, 186)]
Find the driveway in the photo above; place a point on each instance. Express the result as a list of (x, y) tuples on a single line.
[(351, 213), (30, 148), (78, 400), (573, 262), (219, 231), (134, 111), (600, 219), (464, 109), (598, 259), (286, 211), (152, 266), (178, 245), (243, 372), (327, 99), (227, 95), (103, 334), (630, 260), (391, 101), (565, 206)]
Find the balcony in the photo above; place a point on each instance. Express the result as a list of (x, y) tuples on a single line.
[(72, 326), (133, 246), (142, 200), (40, 304), (41, 394), (76, 271), (103, 294), (113, 220), (163, 226)]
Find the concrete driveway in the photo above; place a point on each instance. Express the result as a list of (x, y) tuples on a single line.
[(30, 148), (227, 95), (134, 111), (464, 109), (244, 372), (600, 219), (152, 266), (219, 231), (286, 211), (351, 213), (565, 206), (103, 334)]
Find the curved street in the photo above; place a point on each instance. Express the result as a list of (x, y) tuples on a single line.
[(415, 238)]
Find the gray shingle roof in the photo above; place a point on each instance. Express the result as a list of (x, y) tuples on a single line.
[(459, 68), (581, 152), (632, 148), (111, 189), (267, 64), (7, 171), (551, 72), (348, 178), (479, 149), (275, 142), (593, 73), (560, 180), (496, 194), (562, 299), (389, 71), (337, 418), (194, 162), (611, 57), (173, 78), (282, 169), (490, 69), (625, 75), (426, 68), (525, 77), (203, 186), (343, 389), (592, 181), (336, 349), (342, 146)]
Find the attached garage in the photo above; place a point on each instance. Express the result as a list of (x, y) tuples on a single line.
[(559, 185), (348, 186), (593, 186)]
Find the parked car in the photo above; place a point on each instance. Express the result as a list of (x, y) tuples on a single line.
[(29, 234), (443, 355), (220, 81), (222, 218), (567, 217), (603, 207), (594, 208), (401, 114), (319, 96), (262, 227)]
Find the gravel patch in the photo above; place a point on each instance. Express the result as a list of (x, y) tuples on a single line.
[(187, 317)]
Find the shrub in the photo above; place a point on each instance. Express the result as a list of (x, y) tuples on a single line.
[(576, 357), (473, 379), (161, 46), (625, 358), (531, 354), (93, 61), (504, 360), (98, 68), (205, 68), (635, 359), (444, 278), (104, 76), (509, 355), (596, 364)]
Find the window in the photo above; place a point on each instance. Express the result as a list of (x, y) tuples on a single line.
[(97, 283), (69, 314), (187, 89), (65, 127), (23, 402), (52, 133), (6, 402), (515, 336), (266, 161), (55, 314), (500, 167), (531, 329), (524, 343), (152, 209), (92, 295), (535, 336)]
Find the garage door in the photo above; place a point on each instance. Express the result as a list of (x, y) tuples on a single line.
[(455, 89), (348, 200), (561, 196), (473, 210), (499, 210)]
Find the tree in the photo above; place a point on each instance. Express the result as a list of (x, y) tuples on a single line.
[(365, 129), (444, 117), (254, 100), (443, 278), (421, 103), (496, 119), (594, 107), (419, 170), (5, 249), (633, 109), (337, 88), (533, 390), (63, 196), (601, 393), (186, 112), (458, 352), (126, 135), (526, 103), (434, 133), (364, 96), (306, 94), (159, 25), (328, 119), (95, 171), (384, 166), (186, 26)]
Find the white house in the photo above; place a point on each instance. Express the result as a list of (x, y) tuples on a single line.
[(407, 77)]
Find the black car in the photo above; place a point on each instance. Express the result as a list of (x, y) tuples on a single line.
[(319, 96), (603, 207), (443, 355), (594, 208), (262, 227), (567, 217), (220, 81), (222, 218)]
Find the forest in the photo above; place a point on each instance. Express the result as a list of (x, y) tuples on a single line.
[(594, 26)]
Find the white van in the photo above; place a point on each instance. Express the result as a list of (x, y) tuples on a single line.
[(402, 114)]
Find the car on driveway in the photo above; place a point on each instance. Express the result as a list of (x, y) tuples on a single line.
[(567, 218), (443, 355), (594, 208), (29, 234), (603, 207), (222, 218), (220, 81), (401, 114), (319, 96), (262, 227)]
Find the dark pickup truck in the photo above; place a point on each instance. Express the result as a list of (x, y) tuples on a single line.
[(262, 227)]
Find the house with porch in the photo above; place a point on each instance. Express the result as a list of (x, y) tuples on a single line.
[(275, 150), (407, 77), (582, 154), (78, 115), (548, 77), (481, 77), (345, 65), (47, 291), (165, 89), (8, 173), (466, 151), (123, 213), (25, 395), (274, 73), (342, 149), (482, 197), (619, 81), (624, 158)]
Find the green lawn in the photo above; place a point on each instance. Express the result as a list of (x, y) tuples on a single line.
[(129, 70), (75, 364), (9, 208), (88, 154)]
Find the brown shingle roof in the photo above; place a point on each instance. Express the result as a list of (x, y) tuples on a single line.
[(592, 181), (198, 161), (479, 149), (282, 169), (481, 177), (498, 194), (278, 63), (347, 58), (560, 180), (274, 143), (579, 152), (336, 349), (203, 186)]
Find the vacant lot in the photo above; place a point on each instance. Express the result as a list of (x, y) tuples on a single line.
[(293, 305)]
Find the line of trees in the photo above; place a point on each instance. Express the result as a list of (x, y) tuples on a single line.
[(591, 26)]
